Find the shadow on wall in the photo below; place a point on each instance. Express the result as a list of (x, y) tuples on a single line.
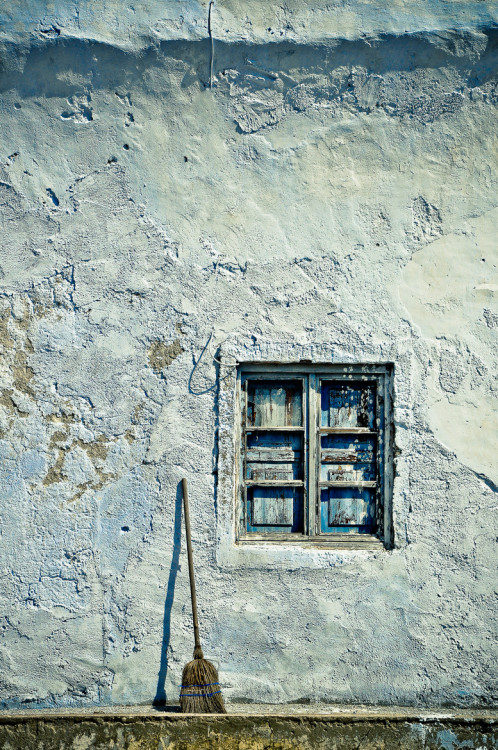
[(160, 697)]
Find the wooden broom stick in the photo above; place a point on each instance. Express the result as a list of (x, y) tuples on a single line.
[(197, 640), (200, 691)]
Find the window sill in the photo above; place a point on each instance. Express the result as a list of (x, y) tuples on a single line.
[(340, 541), (258, 552)]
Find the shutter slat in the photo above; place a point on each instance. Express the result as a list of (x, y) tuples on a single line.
[(273, 454)]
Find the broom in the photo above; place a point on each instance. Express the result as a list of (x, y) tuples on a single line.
[(200, 693)]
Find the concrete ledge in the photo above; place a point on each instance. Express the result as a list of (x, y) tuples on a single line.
[(255, 727)]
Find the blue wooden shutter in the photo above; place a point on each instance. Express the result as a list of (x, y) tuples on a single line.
[(348, 440), (273, 456)]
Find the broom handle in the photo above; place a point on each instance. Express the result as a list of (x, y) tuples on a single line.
[(190, 565)]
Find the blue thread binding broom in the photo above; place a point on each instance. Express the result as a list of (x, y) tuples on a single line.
[(200, 693)]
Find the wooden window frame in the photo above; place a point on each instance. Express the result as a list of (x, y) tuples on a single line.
[(312, 374)]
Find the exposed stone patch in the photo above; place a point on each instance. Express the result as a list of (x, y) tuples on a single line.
[(63, 418), (23, 374), (97, 450), (55, 473), (96, 485), (15, 365), (254, 112), (57, 437), (5, 339), (161, 355), (9, 403)]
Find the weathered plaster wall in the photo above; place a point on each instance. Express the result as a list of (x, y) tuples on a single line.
[(333, 195)]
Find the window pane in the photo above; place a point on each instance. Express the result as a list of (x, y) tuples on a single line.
[(348, 404), (275, 509), (272, 403), (347, 509)]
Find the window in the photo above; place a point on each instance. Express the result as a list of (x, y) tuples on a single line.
[(315, 454)]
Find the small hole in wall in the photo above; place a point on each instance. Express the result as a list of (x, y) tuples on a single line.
[(126, 147), (52, 196), (185, 158), (125, 528), (17, 105), (483, 260)]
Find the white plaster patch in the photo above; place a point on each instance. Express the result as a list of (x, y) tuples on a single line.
[(445, 288)]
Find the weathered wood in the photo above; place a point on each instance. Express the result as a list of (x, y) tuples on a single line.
[(272, 536), (359, 485), (351, 540), (327, 372), (314, 441), (274, 483), (274, 474), (190, 559), (344, 507), (348, 458), (274, 463), (348, 511), (273, 508), (337, 470), (341, 456), (348, 430), (348, 404), (354, 473), (262, 439), (275, 403), (273, 454), (348, 473), (256, 428), (270, 407)]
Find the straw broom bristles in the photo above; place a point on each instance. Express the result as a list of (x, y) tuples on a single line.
[(201, 693)]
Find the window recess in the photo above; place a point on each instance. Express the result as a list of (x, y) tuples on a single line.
[(315, 454)]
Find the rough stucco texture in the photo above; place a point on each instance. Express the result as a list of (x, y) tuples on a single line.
[(336, 186)]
